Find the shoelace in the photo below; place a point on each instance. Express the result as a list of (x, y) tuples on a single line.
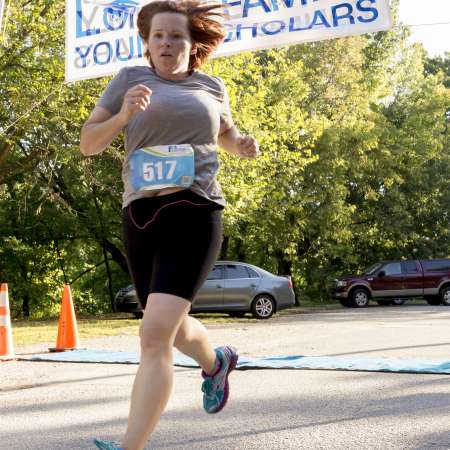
[(208, 386)]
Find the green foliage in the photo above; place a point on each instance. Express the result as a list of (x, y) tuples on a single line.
[(354, 166), (355, 150), (439, 64), (61, 212)]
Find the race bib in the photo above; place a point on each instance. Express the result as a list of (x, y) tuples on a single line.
[(162, 166)]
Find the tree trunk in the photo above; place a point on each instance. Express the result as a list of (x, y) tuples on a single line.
[(108, 272), (26, 305), (240, 253), (224, 248), (103, 243)]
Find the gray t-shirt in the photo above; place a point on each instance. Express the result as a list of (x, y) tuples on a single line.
[(189, 111)]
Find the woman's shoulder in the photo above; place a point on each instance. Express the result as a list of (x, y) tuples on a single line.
[(212, 81)]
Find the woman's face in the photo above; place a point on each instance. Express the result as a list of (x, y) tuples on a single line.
[(170, 44)]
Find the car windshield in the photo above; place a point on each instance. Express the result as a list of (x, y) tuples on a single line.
[(372, 269)]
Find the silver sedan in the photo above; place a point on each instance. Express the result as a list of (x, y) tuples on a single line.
[(235, 288)]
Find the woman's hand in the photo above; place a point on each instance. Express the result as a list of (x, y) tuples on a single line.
[(135, 100), (247, 147), (233, 142)]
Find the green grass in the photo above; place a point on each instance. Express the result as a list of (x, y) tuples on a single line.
[(27, 332), (35, 332)]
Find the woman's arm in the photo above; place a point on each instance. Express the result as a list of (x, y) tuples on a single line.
[(102, 127), (233, 142), (99, 131)]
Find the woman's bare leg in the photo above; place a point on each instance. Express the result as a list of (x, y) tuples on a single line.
[(163, 316)]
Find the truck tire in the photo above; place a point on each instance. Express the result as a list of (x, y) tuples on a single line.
[(433, 300), (445, 296), (360, 298), (398, 301)]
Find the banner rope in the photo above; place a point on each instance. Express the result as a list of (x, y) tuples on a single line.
[(426, 24)]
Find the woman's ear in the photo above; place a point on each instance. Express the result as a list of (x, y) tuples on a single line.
[(194, 49)]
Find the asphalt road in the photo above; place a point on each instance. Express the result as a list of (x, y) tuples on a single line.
[(63, 405)]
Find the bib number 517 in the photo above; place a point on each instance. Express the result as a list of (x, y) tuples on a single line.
[(155, 171)]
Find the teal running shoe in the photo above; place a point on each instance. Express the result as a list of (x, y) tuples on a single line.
[(106, 445), (215, 387)]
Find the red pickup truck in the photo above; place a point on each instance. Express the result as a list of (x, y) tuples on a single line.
[(391, 282)]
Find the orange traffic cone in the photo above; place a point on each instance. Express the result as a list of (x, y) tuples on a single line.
[(6, 340), (67, 326)]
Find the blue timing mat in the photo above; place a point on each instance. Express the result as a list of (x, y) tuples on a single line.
[(274, 362)]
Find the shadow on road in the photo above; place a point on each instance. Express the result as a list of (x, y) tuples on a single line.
[(57, 382)]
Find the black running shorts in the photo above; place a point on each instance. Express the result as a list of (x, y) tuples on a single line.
[(172, 242)]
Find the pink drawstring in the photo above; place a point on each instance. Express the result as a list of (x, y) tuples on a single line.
[(157, 212)]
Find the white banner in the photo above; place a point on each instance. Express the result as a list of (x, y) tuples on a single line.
[(102, 36)]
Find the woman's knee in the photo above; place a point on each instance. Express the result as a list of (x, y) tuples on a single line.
[(154, 340), (162, 318)]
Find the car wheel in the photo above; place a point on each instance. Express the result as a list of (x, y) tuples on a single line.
[(360, 298), (384, 302), (445, 296), (398, 301), (237, 315), (433, 300), (138, 315), (263, 307)]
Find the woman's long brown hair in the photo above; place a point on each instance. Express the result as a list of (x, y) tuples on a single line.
[(204, 23)]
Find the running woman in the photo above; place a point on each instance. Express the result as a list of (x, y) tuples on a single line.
[(174, 117)]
